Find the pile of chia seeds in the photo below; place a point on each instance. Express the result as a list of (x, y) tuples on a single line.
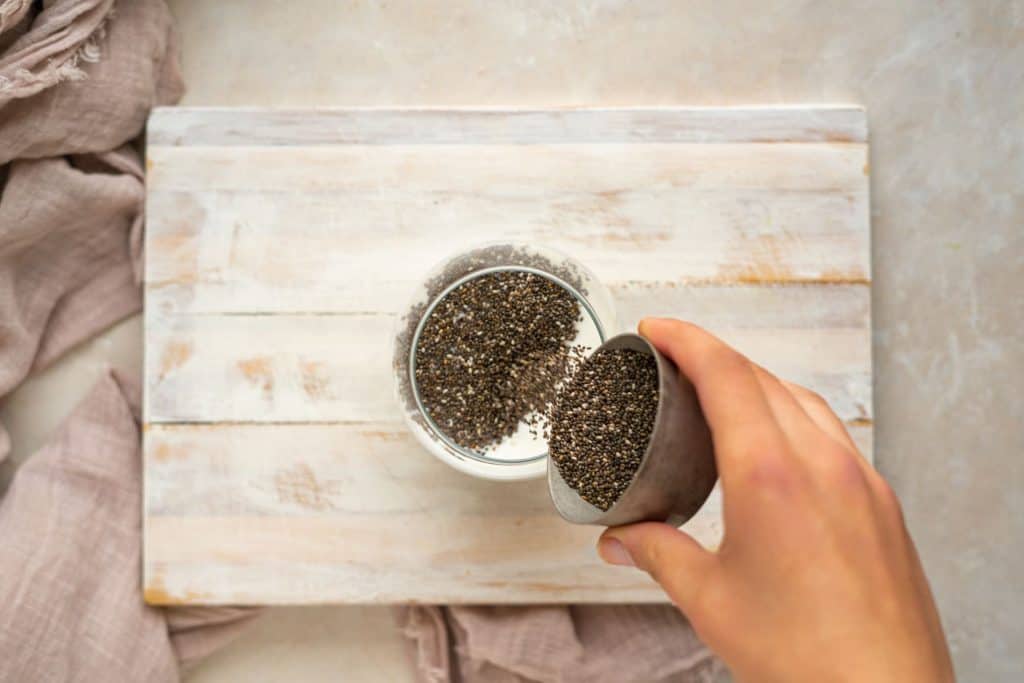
[(492, 354), (602, 421)]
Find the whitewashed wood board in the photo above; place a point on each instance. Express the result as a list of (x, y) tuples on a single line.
[(280, 246)]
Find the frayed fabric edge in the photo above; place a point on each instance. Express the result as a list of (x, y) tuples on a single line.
[(25, 82)]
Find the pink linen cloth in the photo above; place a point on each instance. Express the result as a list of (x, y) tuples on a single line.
[(557, 644), (77, 80)]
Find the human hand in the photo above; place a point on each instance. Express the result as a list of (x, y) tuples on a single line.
[(816, 578)]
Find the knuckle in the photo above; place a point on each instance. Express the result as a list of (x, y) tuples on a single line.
[(810, 396), (657, 561), (817, 399), (842, 471), (654, 556), (887, 498)]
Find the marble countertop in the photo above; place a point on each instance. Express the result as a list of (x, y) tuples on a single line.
[(943, 84)]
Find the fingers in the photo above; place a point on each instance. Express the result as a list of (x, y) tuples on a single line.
[(808, 420), (819, 411), (734, 404), (795, 422), (751, 412), (673, 558)]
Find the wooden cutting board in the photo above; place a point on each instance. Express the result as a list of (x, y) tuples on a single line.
[(281, 244)]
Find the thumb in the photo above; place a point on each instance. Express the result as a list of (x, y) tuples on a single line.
[(672, 558)]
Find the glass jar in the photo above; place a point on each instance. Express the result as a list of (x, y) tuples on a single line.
[(523, 455)]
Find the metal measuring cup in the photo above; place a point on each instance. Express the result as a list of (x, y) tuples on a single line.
[(678, 469)]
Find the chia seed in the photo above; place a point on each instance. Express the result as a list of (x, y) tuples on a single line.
[(466, 263), (492, 354), (601, 423)]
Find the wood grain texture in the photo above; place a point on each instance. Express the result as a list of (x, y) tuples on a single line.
[(259, 231), (281, 245), (372, 126)]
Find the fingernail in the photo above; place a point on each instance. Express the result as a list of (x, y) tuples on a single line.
[(613, 552)]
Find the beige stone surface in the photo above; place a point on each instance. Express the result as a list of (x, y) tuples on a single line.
[(944, 87), (34, 411), (304, 644)]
